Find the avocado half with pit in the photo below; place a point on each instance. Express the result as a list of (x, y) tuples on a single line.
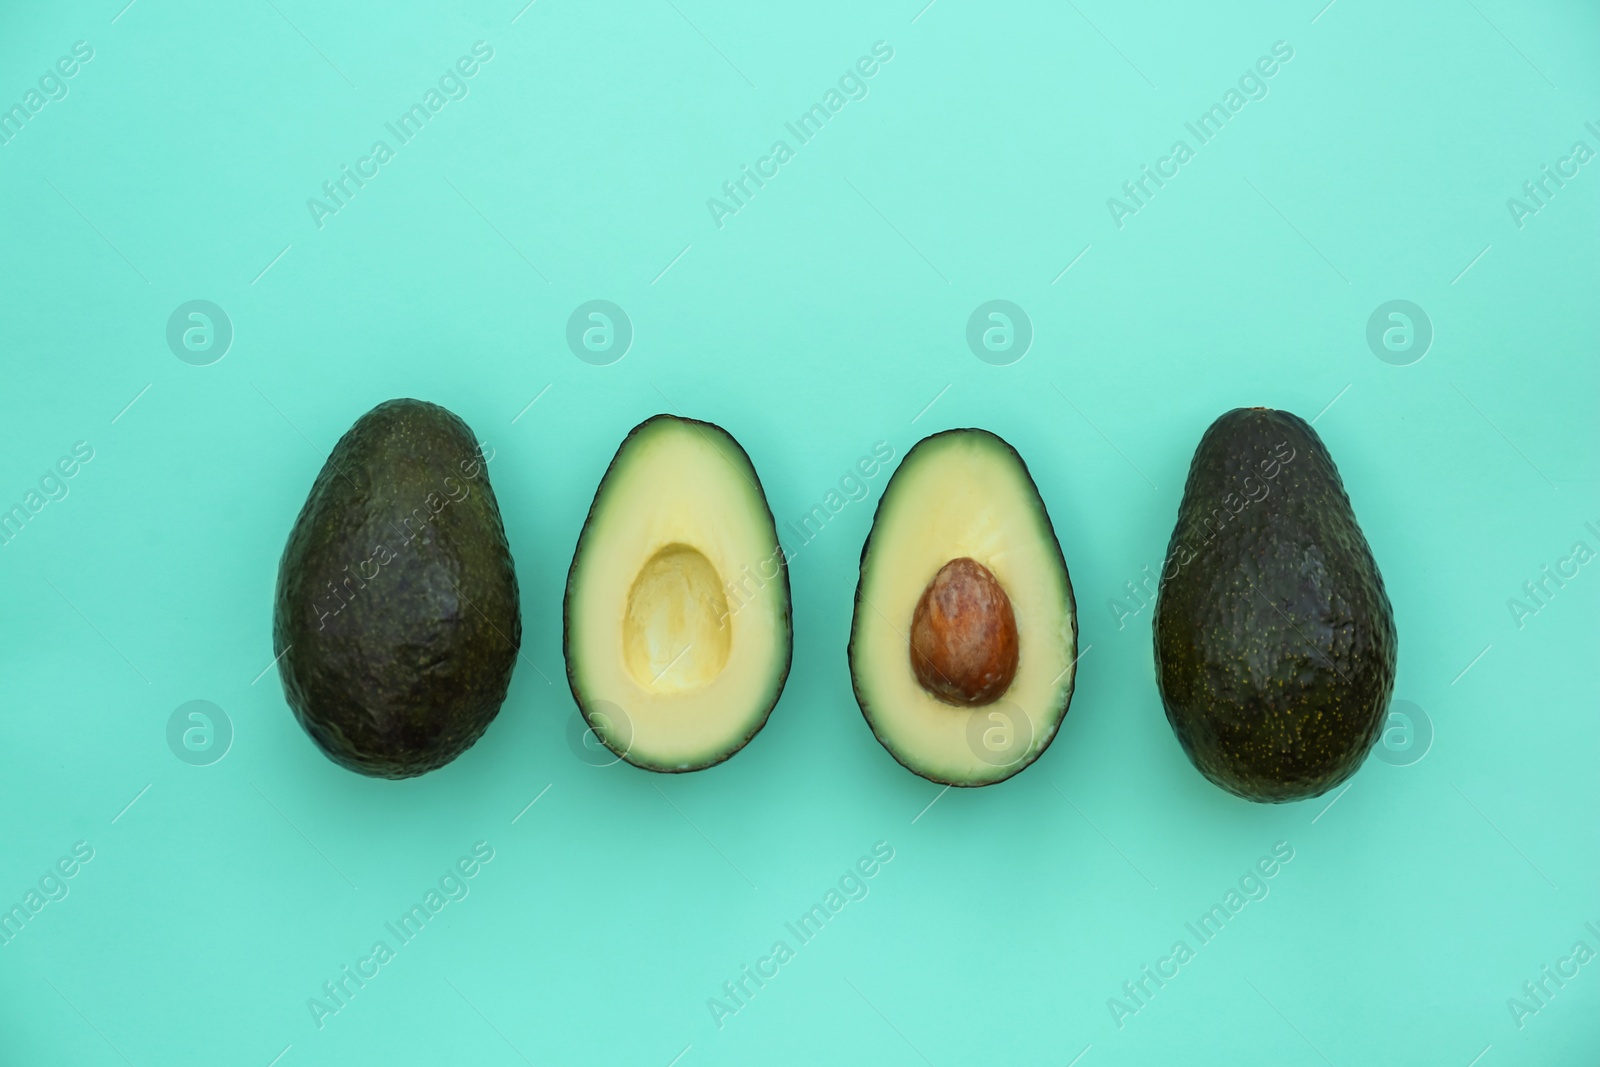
[(677, 629), (963, 649)]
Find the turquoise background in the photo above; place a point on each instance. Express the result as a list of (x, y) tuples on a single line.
[(823, 317)]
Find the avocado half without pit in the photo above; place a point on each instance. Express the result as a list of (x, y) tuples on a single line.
[(677, 627), (964, 643), (1274, 638), (397, 621)]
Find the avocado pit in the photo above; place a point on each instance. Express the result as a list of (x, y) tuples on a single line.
[(964, 636)]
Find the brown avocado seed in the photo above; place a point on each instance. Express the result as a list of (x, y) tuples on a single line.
[(964, 636)]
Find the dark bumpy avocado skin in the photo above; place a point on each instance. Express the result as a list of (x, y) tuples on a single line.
[(397, 618), (1275, 641)]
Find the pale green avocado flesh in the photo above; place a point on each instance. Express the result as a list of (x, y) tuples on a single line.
[(678, 637), (963, 493)]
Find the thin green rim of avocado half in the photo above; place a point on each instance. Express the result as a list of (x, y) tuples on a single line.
[(676, 622), (963, 492)]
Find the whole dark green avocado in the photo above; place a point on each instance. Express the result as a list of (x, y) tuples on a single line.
[(1275, 641), (397, 620)]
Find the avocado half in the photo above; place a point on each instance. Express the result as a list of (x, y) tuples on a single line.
[(1274, 638), (677, 628), (397, 620), (963, 648)]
